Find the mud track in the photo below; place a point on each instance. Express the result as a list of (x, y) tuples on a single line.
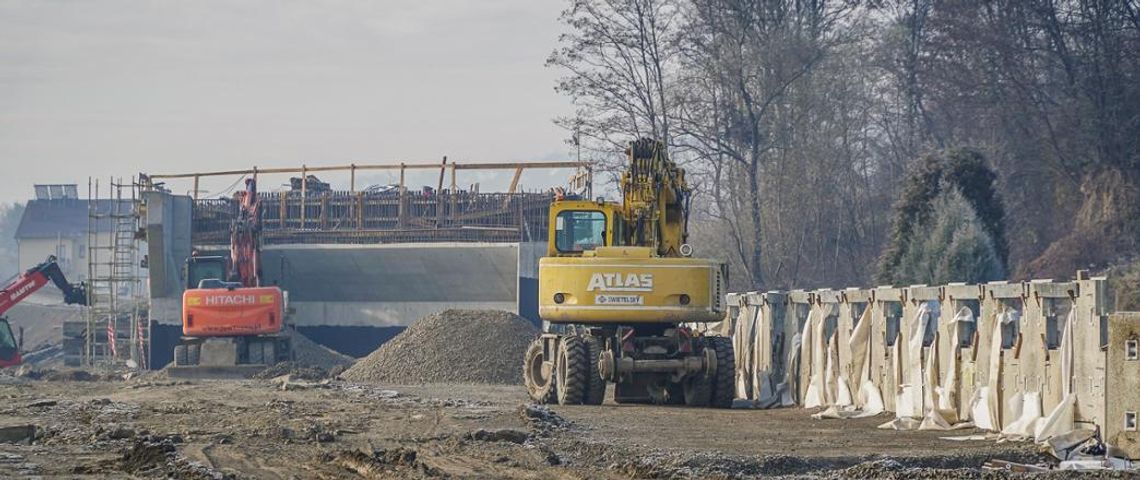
[(156, 428)]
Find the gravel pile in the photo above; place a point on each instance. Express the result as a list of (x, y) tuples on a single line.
[(452, 346), (311, 361), (312, 354)]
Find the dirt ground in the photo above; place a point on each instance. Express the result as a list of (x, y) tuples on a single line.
[(155, 427)]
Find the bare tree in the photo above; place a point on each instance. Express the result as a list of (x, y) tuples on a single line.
[(619, 58), (742, 59)]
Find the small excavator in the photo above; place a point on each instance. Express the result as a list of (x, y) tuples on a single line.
[(618, 287), (23, 287), (232, 325)]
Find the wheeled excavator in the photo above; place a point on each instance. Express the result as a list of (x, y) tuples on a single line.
[(232, 325), (618, 287), (23, 287)]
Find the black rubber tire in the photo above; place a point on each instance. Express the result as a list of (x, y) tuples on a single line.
[(285, 349), (194, 354), (256, 353), (723, 379), (269, 351), (596, 385), (180, 355), (697, 390), (571, 369), (541, 390), (676, 394)]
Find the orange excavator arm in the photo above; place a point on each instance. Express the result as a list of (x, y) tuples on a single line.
[(245, 238)]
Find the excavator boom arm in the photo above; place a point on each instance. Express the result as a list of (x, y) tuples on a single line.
[(655, 198), (245, 238), (36, 278)]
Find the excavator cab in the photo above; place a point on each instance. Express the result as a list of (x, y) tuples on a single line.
[(9, 345), (199, 268)]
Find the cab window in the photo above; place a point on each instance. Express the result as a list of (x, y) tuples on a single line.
[(619, 231), (6, 340), (579, 230), (203, 269)]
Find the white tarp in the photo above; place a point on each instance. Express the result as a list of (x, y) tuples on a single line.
[(939, 414), (868, 402), (948, 392), (984, 407), (786, 390), (743, 336), (813, 357), (1062, 419), (909, 401)]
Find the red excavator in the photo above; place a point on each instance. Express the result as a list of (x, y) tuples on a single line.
[(231, 324), (23, 287)]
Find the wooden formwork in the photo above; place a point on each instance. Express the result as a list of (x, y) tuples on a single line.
[(381, 217)]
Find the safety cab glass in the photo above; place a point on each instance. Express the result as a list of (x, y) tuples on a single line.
[(7, 342), (202, 270), (579, 230)]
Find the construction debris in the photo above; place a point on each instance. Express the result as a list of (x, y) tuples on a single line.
[(453, 346), (17, 434)]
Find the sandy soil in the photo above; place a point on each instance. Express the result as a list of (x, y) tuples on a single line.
[(153, 427)]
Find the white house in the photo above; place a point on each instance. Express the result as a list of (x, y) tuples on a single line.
[(57, 223)]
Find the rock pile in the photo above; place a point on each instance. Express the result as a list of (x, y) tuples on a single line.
[(311, 361), (452, 346), (312, 354)]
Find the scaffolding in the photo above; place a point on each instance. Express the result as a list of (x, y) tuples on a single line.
[(116, 332)]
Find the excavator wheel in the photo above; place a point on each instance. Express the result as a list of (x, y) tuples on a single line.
[(571, 370), (180, 355), (697, 390), (675, 394), (256, 355), (596, 388), (269, 351), (194, 353), (723, 385), (540, 387)]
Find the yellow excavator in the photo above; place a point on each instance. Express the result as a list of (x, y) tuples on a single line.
[(617, 288)]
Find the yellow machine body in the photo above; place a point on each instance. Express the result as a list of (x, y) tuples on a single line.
[(627, 290), (621, 262), (617, 287)]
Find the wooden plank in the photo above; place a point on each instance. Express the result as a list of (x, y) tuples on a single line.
[(515, 180), (394, 166)]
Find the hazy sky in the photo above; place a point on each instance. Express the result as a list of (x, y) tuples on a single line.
[(115, 87)]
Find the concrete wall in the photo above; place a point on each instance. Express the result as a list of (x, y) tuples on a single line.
[(1005, 345), (391, 285)]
